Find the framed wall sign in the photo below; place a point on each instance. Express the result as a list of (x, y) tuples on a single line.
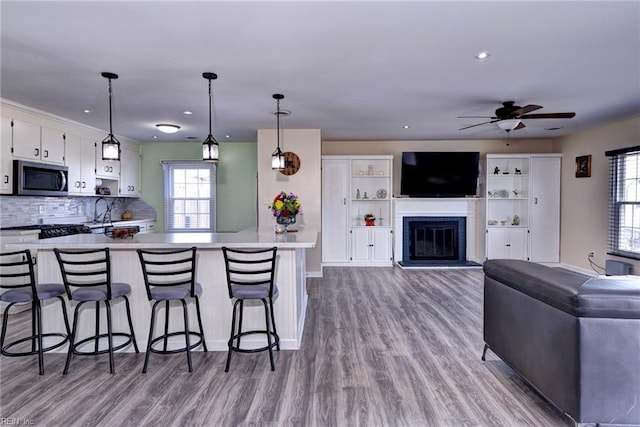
[(583, 166)]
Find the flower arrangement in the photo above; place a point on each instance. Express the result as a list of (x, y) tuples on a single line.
[(285, 205), (369, 219)]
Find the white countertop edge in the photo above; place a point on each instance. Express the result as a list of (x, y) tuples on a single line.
[(250, 238)]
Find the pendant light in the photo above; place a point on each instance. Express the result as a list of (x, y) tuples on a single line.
[(277, 159), (210, 145), (110, 145)]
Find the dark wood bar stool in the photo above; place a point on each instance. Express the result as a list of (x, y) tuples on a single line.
[(17, 280), (170, 275), (87, 278), (250, 276)]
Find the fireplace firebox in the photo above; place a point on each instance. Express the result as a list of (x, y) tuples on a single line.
[(434, 239)]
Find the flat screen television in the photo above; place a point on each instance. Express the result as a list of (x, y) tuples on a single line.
[(439, 174)]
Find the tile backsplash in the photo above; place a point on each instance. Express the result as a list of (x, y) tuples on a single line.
[(25, 210)]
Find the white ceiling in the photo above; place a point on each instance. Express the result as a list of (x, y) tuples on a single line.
[(357, 70)]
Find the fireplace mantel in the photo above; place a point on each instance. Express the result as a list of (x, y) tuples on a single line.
[(456, 207)]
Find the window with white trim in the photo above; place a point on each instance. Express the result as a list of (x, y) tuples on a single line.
[(624, 202), (189, 196)]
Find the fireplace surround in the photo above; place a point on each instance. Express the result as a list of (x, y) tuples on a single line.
[(436, 220)]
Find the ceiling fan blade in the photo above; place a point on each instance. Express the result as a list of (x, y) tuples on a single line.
[(478, 124), (526, 109), (521, 125), (548, 116)]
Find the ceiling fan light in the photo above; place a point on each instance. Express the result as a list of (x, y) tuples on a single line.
[(509, 124), (167, 128)]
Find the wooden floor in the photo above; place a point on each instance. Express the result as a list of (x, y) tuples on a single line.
[(381, 347)]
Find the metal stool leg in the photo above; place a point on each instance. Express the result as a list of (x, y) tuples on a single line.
[(151, 328), (133, 335), (273, 324), (204, 342), (72, 339), (233, 328), (266, 322), (112, 367), (186, 334)]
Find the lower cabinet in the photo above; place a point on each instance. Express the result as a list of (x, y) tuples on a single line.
[(371, 245), (507, 243)]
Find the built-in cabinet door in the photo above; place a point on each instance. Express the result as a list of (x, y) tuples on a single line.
[(6, 158), (503, 243), (360, 245), (545, 209), (335, 211), (80, 158), (130, 171), (381, 241)]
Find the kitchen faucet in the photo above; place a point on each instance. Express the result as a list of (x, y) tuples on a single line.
[(106, 216)]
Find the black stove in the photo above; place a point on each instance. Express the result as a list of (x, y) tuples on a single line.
[(54, 230)]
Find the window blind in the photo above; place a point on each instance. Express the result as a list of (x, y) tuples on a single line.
[(189, 196), (624, 202)]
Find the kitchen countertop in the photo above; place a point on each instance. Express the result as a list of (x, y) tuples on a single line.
[(250, 238)]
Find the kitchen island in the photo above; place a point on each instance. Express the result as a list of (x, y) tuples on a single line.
[(289, 306)]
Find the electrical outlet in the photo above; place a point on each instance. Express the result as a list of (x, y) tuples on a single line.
[(590, 255), (41, 209)]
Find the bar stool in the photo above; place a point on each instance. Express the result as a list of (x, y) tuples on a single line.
[(87, 278), (170, 275), (250, 276), (18, 277)]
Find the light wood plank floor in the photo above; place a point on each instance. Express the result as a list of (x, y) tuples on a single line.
[(382, 347)]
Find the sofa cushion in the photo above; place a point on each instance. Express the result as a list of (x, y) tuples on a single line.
[(574, 293)]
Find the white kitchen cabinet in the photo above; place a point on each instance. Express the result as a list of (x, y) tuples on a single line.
[(108, 169), (507, 243), (37, 143), (371, 245), (6, 158), (353, 186), (523, 195), (80, 158), (335, 211), (129, 171)]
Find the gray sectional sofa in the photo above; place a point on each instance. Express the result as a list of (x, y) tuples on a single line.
[(574, 338)]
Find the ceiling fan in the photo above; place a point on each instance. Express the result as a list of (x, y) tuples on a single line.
[(515, 114)]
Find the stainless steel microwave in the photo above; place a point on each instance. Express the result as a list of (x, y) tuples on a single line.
[(39, 179)]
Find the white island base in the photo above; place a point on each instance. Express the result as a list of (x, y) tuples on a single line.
[(215, 305)]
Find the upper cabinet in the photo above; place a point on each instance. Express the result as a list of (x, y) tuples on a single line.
[(130, 170), (106, 168), (37, 143), (80, 158), (6, 160)]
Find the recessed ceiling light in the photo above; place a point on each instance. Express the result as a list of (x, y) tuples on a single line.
[(155, 136), (406, 127), (227, 136), (482, 55), (187, 112), (87, 111), (167, 128)]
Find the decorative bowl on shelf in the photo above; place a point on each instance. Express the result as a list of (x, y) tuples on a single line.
[(122, 232)]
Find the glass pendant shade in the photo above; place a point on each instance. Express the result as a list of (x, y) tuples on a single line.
[(110, 148), (210, 150), (277, 160), (210, 145), (110, 145)]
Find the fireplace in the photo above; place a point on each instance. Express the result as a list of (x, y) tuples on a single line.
[(444, 232), (433, 239)]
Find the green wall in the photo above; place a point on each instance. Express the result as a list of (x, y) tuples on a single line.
[(236, 189)]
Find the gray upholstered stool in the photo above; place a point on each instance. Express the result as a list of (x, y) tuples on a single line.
[(250, 276), (17, 280), (170, 275), (87, 278)]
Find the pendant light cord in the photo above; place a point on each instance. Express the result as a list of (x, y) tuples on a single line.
[(278, 122), (210, 101), (110, 114)]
